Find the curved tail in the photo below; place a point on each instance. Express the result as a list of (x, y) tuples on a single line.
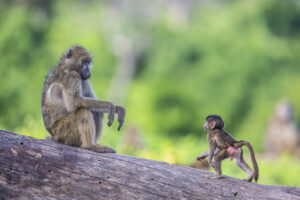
[(255, 166)]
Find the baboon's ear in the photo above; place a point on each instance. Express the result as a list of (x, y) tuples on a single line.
[(69, 54), (212, 124)]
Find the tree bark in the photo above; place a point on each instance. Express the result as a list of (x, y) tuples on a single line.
[(40, 169)]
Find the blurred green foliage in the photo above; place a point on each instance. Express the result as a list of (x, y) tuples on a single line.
[(233, 58)]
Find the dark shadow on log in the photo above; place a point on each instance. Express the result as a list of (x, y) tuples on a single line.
[(39, 169)]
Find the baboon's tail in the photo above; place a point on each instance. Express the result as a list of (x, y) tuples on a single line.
[(255, 166)]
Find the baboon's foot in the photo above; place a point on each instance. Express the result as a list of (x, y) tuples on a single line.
[(49, 138), (249, 179), (100, 149), (215, 176)]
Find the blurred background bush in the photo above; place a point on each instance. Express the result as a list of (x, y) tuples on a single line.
[(170, 63)]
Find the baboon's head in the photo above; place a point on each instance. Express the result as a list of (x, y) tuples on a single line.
[(214, 122), (80, 60)]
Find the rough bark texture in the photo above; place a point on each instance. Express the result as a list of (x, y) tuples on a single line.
[(39, 169)]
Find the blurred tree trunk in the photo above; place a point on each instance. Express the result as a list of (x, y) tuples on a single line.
[(127, 25)]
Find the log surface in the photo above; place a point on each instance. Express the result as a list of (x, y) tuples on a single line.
[(40, 169)]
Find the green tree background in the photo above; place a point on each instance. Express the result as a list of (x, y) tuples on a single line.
[(237, 59)]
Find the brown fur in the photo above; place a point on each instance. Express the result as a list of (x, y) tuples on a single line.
[(220, 144), (71, 112)]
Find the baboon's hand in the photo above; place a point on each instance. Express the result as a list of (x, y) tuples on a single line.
[(111, 114), (121, 115)]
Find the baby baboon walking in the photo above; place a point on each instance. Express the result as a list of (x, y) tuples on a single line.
[(223, 146)]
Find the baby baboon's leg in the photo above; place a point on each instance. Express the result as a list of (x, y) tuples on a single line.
[(244, 166), (219, 157)]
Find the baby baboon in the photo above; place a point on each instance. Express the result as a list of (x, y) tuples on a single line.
[(71, 112), (223, 145)]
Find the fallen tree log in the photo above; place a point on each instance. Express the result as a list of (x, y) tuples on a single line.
[(39, 169)]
